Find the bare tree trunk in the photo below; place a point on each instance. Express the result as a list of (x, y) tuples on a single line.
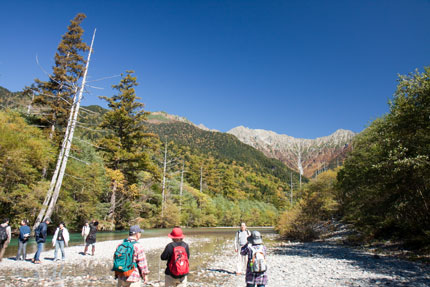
[(29, 105), (112, 207), (51, 133), (201, 178), (69, 139), (57, 168), (291, 186), (181, 186), (163, 199)]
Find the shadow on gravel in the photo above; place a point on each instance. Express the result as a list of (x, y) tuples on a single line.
[(222, 271), (406, 273)]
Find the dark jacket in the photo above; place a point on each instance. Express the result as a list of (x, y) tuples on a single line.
[(92, 236), (168, 253), (41, 232), (24, 229)]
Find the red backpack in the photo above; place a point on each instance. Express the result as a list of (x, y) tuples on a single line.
[(178, 264)]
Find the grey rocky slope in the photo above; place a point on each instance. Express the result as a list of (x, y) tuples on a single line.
[(304, 155)]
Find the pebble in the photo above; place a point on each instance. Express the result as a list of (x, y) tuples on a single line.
[(328, 264), (290, 264)]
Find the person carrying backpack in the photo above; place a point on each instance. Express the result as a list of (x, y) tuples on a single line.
[(91, 238), (240, 240), (41, 233), (5, 236), (129, 260), (256, 269), (24, 235), (177, 255)]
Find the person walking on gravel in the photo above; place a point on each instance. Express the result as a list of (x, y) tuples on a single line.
[(5, 236), (24, 235), (256, 269), (41, 234), (177, 254), (91, 238), (60, 239), (85, 231), (240, 240), (130, 263)]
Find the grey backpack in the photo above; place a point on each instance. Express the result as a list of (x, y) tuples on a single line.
[(258, 261)]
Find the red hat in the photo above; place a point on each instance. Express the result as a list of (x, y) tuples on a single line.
[(176, 233)]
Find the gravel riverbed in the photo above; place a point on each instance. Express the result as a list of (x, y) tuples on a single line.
[(213, 263), (327, 264)]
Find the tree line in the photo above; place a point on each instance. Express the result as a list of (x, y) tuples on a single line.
[(383, 188), (115, 169)]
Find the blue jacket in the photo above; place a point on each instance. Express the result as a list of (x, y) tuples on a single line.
[(41, 232), (24, 229)]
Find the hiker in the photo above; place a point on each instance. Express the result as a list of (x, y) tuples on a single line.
[(256, 268), (5, 236), (85, 231), (129, 261), (177, 254), (24, 235), (60, 239), (41, 233), (91, 238), (240, 240)]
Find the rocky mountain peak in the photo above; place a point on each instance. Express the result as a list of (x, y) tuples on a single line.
[(304, 155)]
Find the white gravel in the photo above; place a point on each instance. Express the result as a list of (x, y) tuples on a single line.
[(74, 254), (327, 264), (290, 264)]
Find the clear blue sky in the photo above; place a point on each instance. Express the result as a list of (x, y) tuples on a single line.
[(302, 68)]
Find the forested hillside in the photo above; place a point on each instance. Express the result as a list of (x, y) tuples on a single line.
[(224, 180), (223, 146)]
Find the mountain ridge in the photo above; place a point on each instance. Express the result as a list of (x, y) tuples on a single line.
[(307, 156)]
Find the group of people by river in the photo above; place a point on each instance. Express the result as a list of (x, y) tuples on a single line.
[(60, 240), (248, 246), (129, 259)]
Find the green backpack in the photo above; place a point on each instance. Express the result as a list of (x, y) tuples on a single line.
[(123, 264)]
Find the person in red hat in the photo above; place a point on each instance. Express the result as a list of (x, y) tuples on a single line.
[(177, 254)]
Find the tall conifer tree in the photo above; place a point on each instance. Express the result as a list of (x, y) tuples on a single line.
[(126, 145), (57, 93)]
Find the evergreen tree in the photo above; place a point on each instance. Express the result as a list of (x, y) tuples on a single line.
[(126, 146), (56, 95)]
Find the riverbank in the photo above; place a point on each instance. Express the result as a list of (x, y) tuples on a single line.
[(74, 254), (83, 270), (213, 263), (322, 264)]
